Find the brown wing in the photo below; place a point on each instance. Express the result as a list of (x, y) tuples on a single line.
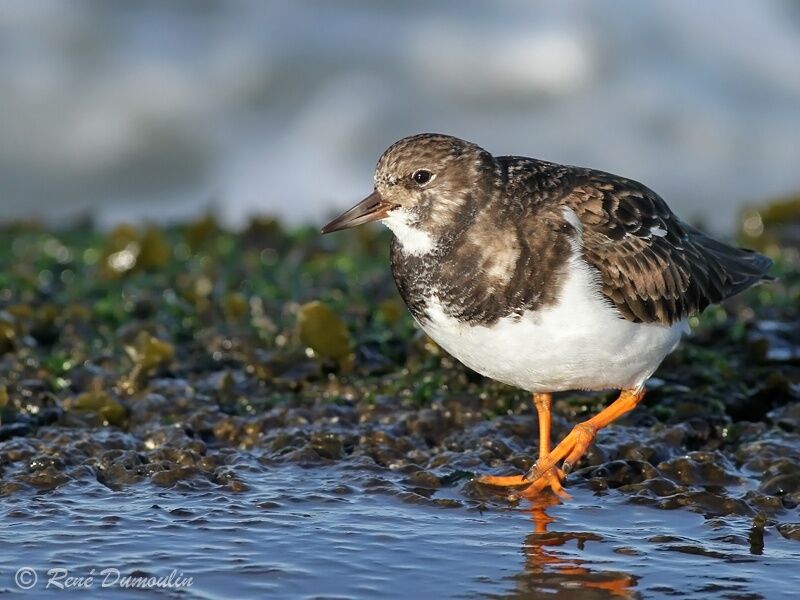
[(654, 268)]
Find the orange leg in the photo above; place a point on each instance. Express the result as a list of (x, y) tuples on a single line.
[(575, 445), (553, 477)]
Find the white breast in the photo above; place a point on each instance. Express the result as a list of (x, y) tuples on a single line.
[(581, 342)]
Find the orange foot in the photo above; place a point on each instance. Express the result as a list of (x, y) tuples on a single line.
[(575, 445), (570, 450), (551, 479)]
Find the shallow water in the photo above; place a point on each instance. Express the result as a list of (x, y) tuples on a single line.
[(295, 534)]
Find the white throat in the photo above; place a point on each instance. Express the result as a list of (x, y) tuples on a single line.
[(412, 240)]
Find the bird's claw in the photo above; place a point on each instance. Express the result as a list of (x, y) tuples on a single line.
[(549, 480), (532, 474), (570, 450)]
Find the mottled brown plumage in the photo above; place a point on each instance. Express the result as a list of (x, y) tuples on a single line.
[(503, 239), (654, 267)]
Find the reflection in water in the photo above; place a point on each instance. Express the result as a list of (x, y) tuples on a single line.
[(556, 573)]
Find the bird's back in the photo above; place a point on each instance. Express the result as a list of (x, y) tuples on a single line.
[(653, 267)]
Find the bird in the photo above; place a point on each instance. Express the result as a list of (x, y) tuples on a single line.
[(545, 277)]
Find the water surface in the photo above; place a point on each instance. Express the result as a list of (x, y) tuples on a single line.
[(295, 534)]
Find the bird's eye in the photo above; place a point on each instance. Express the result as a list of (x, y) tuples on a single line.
[(421, 177)]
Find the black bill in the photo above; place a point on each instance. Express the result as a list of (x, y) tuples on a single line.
[(371, 208)]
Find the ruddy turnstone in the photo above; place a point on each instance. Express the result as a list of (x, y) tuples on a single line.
[(544, 276)]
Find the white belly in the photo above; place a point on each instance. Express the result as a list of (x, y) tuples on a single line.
[(580, 343)]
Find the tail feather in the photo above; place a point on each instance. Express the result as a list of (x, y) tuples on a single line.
[(743, 268)]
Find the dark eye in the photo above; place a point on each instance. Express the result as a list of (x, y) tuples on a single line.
[(422, 176)]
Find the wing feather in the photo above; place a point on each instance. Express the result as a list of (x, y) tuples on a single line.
[(653, 267)]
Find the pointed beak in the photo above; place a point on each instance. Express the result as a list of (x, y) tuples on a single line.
[(371, 208)]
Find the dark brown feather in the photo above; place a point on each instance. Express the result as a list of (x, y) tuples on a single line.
[(503, 240), (654, 268)]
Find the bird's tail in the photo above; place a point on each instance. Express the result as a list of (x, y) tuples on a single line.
[(744, 268)]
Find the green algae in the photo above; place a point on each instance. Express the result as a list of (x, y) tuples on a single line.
[(323, 331), (108, 409), (147, 353)]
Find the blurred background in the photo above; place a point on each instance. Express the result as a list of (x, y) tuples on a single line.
[(162, 111)]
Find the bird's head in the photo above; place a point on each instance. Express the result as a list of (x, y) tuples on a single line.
[(422, 187)]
